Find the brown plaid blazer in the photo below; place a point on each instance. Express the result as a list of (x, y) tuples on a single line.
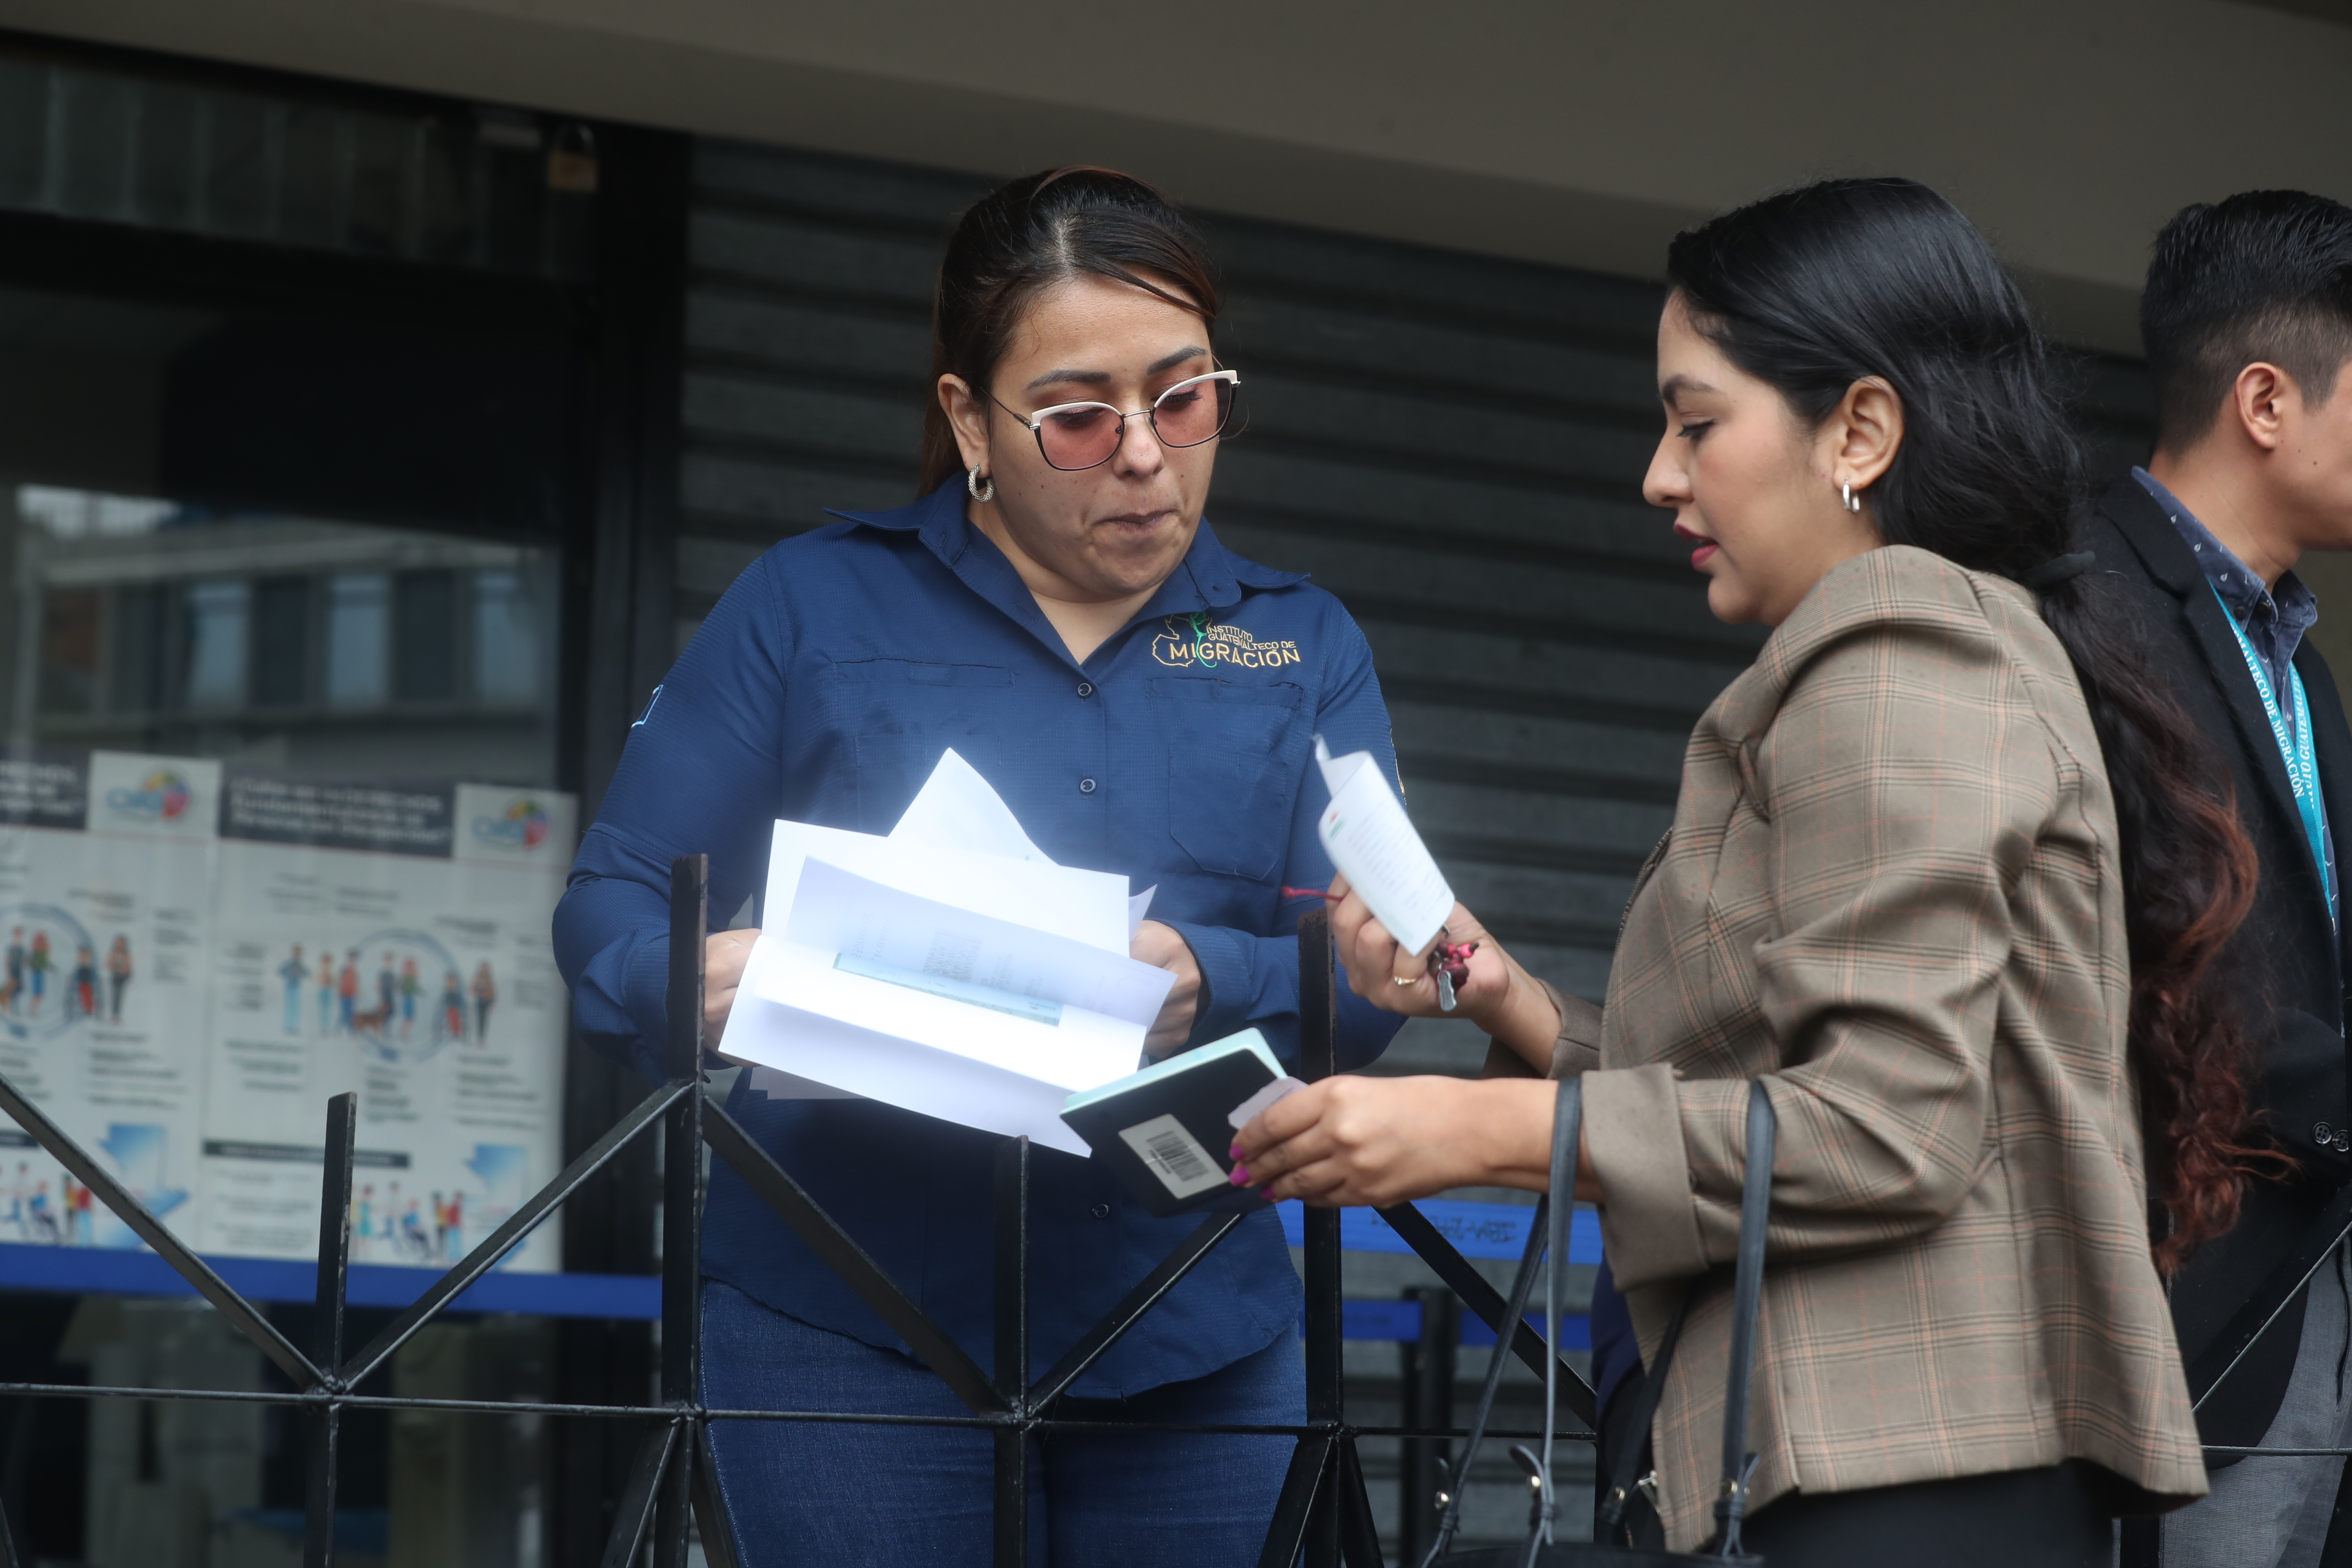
[(1892, 893)]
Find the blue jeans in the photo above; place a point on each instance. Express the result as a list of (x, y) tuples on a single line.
[(833, 1495)]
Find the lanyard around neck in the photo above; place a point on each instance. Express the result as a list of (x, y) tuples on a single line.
[(2296, 751)]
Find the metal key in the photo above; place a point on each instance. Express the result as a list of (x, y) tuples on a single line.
[(1444, 991)]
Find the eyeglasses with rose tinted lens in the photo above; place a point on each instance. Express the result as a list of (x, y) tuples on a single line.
[(1074, 436)]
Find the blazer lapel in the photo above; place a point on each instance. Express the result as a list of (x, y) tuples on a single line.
[(2331, 739), (2149, 533)]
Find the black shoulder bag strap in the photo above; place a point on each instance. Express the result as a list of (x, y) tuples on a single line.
[(1564, 1127), (1747, 1301), (1550, 1233), (1747, 1298)]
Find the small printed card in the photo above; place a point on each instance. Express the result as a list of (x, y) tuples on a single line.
[(1372, 842)]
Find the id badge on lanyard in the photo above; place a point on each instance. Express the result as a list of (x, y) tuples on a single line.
[(2296, 751)]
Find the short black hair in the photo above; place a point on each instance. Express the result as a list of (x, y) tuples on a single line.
[(2262, 275)]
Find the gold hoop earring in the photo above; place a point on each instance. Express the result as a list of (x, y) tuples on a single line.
[(983, 491)]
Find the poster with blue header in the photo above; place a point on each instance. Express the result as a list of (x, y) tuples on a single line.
[(107, 873), (391, 939)]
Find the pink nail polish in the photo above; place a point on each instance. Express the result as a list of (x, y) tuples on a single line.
[(1240, 1177), (1235, 1152)]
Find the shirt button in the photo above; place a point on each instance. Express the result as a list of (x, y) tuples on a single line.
[(1102, 1211), (2322, 1134), (1085, 688), (1085, 786)]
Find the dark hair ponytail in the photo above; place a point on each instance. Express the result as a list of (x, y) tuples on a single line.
[(1023, 238), (1815, 288)]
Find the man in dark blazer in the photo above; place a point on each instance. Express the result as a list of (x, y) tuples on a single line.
[(2247, 320)]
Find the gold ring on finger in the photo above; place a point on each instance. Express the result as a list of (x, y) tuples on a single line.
[(1404, 979)]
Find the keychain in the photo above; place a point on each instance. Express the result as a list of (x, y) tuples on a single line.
[(1450, 963)]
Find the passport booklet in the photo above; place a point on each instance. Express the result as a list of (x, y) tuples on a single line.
[(1166, 1129)]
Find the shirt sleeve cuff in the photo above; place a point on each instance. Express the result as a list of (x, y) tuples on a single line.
[(1223, 956), (646, 994), (1649, 1224)]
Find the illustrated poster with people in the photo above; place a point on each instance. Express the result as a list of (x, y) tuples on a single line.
[(107, 862), (391, 941)]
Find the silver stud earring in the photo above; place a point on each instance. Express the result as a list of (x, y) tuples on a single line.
[(1848, 499), (983, 491)]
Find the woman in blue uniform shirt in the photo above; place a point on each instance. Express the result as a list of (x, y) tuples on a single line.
[(1056, 610)]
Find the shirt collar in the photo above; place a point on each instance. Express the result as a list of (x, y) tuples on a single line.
[(2291, 604), (1210, 577)]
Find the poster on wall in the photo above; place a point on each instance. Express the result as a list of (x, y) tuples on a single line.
[(391, 941), (106, 863)]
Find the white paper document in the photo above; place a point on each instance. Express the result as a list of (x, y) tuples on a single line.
[(955, 809), (980, 986), (1372, 842)]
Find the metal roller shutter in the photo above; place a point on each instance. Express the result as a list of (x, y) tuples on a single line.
[(1452, 445)]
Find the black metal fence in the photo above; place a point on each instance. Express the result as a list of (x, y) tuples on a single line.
[(1323, 1513)]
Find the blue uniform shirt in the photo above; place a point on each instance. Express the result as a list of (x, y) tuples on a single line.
[(824, 688)]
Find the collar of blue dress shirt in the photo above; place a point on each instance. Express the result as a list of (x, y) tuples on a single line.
[(2278, 617), (1210, 577)]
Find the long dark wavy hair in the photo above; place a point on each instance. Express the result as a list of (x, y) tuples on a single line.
[(1023, 238), (1815, 288)]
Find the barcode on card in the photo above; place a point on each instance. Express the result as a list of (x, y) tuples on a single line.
[(1174, 1155)]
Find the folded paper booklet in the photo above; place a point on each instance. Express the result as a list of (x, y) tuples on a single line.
[(976, 982), (1166, 1129), (1372, 842)]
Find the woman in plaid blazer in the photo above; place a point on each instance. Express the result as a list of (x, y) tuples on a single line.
[(1946, 875)]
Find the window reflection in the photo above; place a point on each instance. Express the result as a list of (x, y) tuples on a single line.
[(216, 620), (68, 651), (299, 642), (506, 641), (423, 636), (358, 621), (281, 637)]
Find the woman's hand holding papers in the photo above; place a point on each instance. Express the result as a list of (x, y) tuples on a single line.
[(724, 953), (1160, 946), (1499, 996)]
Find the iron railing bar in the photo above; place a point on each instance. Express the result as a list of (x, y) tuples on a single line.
[(1013, 1272), (7, 1540), (1360, 1537), (335, 1228), (320, 1474), (2270, 1297), (681, 1261), (519, 1223), (322, 1465), (240, 1312), (830, 1418), (673, 1497), (1319, 1058), (1285, 1533), (838, 1251), (635, 1508), (710, 1506), (1011, 1501), (1131, 1308), (1483, 1298)]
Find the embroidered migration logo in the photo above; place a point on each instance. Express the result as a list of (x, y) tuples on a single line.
[(1187, 642)]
